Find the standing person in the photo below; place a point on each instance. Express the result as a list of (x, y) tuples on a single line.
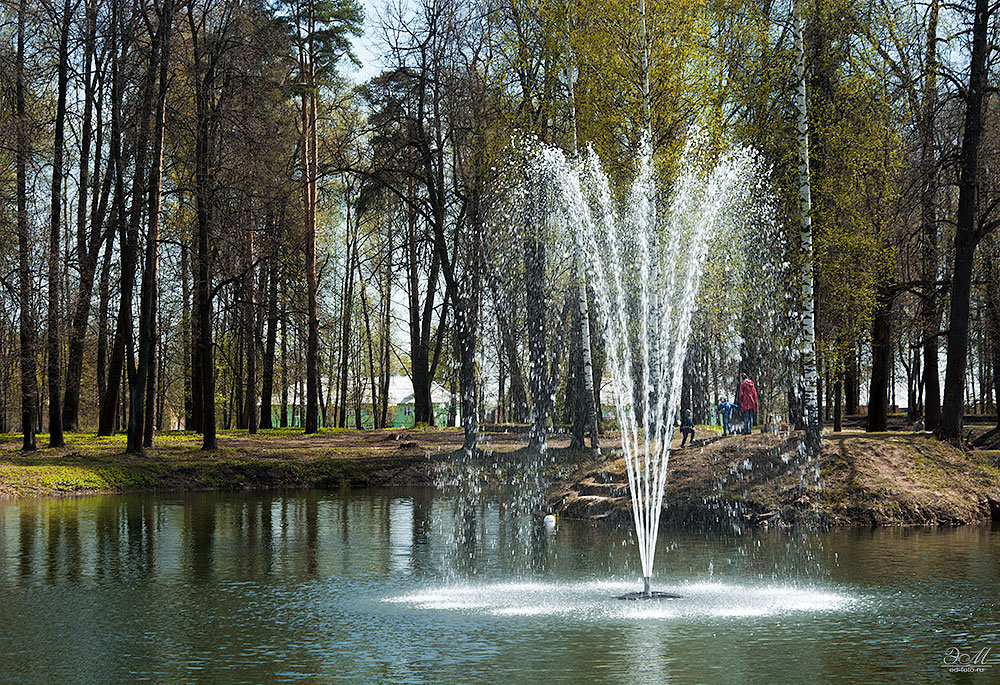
[(747, 398), (687, 427), (726, 412)]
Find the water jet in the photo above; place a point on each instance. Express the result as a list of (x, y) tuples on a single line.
[(644, 265)]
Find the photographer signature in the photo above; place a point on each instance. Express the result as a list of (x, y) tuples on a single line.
[(958, 661)]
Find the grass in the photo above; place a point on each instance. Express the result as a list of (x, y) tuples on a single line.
[(281, 457)]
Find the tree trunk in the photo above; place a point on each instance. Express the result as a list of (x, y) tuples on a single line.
[(538, 363), (838, 398), (117, 164), (161, 387), (967, 234), (312, 287), (586, 404), (467, 378), (372, 382), (197, 405), (53, 323), (27, 327), (103, 305), (878, 396), (250, 328), (385, 349), (930, 312), (150, 421), (851, 384), (142, 391), (819, 389), (992, 273), (283, 419), (236, 403), (808, 349), (128, 237), (187, 368), (267, 380), (420, 317), (202, 267), (575, 410), (345, 340), (88, 243), (518, 395)]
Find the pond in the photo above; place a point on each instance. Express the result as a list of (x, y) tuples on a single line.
[(425, 586)]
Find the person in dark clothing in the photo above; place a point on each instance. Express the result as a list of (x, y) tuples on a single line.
[(687, 427), (726, 412)]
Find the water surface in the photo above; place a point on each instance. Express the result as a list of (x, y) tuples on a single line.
[(424, 586)]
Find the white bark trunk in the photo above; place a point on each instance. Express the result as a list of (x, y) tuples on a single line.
[(808, 349)]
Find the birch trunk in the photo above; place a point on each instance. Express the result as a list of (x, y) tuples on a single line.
[(810, 375)]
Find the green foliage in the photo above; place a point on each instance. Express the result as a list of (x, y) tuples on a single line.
[(324, 28)]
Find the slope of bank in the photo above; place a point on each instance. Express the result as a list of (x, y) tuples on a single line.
[(861, 479), (270, 459)]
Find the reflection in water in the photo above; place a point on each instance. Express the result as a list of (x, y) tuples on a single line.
[(312, 533), (650, 655), (27, 540), (401, 532), (424, 586), (199, 538)]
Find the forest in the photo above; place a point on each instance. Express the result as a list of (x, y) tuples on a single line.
[(207, 223)]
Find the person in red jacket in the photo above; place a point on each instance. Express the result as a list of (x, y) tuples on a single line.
[(747, 397)]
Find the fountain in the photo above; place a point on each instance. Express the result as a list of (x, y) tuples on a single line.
[(645, 267)]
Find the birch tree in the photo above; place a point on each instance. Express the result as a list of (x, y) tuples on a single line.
[(807, 350)]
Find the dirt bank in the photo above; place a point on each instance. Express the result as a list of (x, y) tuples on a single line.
[(861, 479)]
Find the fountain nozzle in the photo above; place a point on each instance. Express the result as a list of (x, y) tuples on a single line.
[(648, 592)]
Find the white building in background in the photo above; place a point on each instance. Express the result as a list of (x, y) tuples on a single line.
[(400, 411)]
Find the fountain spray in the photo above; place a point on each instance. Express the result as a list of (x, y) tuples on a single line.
[(645, 270)]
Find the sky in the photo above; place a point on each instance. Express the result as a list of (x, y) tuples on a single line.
[(366, 46)]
